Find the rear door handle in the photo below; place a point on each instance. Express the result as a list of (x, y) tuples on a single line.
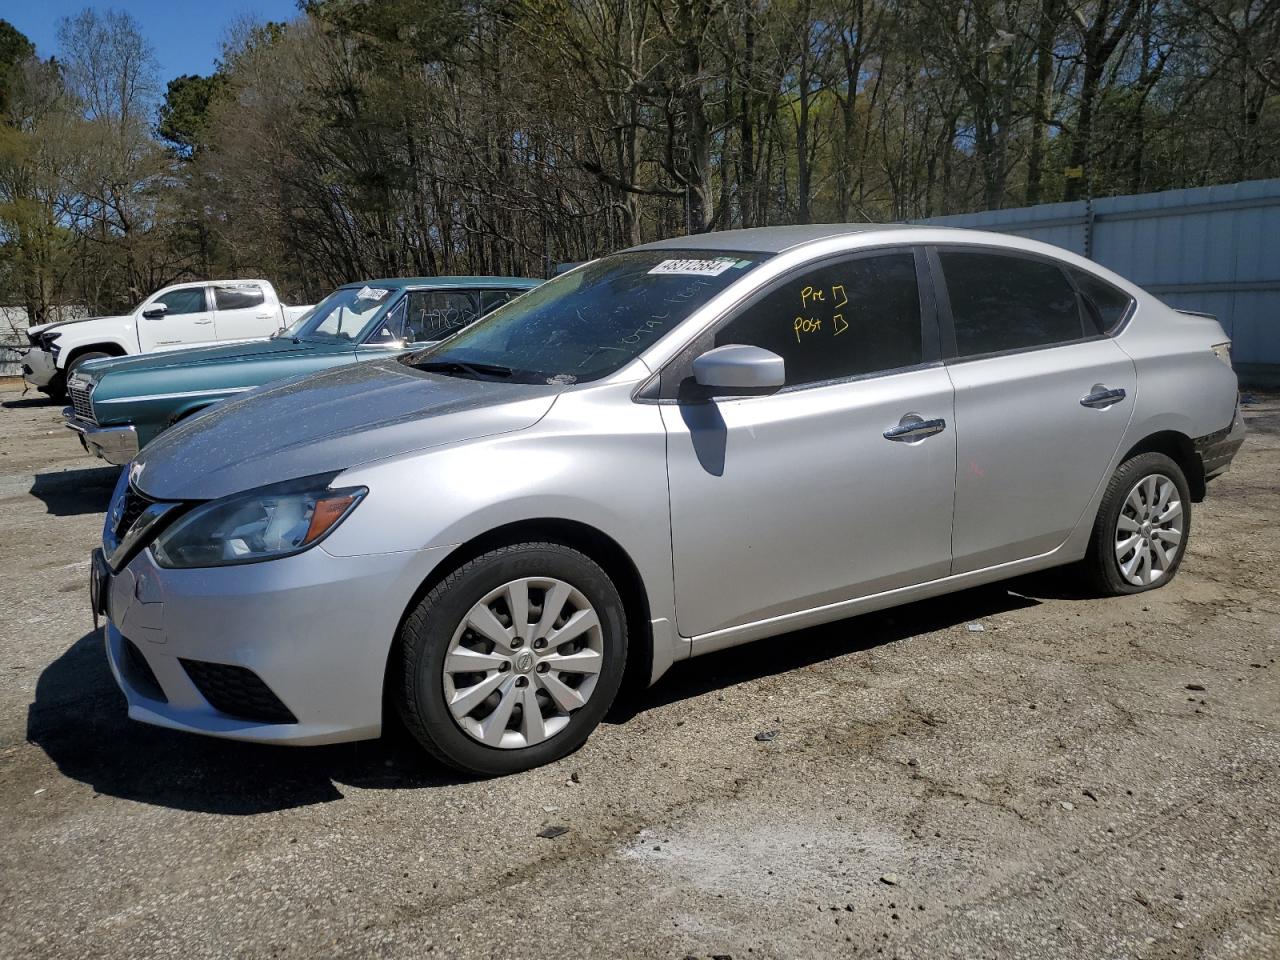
[(912, 427), (1102, 397), (203, 323)]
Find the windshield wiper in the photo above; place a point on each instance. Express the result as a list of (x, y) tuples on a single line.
[(469, 368)]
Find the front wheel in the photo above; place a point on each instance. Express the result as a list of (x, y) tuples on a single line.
[(512, 659), (1143, 525)]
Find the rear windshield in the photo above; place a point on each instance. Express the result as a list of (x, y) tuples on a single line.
[(590, 322)]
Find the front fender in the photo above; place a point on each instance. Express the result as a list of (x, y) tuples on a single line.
[(606, 473), (112, 332)]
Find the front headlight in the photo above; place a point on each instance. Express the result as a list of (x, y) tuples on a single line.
[(263, 524)]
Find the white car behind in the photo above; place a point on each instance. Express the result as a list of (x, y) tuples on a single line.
[(182, 315)]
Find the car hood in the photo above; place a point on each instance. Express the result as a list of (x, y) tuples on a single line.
[(329, 421), (226, 353), (58, 325)]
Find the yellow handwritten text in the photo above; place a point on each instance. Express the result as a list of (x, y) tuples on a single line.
[(809, 294), (806, 325)]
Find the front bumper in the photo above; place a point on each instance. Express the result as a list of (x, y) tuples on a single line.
[(315, 631), (38, 367), (116, 445)]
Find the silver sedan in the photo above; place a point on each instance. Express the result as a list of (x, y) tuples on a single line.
[(668, 451)]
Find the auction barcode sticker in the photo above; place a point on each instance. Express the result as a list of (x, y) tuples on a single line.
[(693, 268), (372, 293)]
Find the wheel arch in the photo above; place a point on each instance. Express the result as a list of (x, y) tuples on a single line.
[(1179, 448), (109, 347), (592, 542), (183, 412)]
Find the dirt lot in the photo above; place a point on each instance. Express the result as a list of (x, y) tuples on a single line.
[(1082, 778)]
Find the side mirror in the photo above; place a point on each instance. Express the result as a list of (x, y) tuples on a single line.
[(155, 311), (737, 368)]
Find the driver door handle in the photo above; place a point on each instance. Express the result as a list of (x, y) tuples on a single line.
[(1103, 397), (912, 427)]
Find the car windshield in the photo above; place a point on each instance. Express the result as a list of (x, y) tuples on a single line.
[(588, 323), (292, 329), (345, 316)]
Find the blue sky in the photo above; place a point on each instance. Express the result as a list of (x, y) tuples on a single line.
[(185, 34)]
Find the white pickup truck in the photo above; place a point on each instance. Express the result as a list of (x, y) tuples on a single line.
[(183, 315)]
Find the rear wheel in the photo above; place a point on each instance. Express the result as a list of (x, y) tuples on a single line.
[(513, 659), (1143, 524)]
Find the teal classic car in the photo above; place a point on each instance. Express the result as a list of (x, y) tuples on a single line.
[(118, 405)]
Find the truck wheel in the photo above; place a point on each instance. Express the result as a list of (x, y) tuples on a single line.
[(512, 659), (1143, 524)]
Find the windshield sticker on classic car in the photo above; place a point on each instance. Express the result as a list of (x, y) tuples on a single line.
[(693, 268), (371, 293)]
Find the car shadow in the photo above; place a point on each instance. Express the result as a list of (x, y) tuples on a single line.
[(74, 492), (32, 402), (78, 718), (802, 648)]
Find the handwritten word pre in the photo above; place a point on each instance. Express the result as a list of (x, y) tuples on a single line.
[(810, 294)]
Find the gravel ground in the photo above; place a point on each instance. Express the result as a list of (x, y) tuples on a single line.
[(1082, 778)]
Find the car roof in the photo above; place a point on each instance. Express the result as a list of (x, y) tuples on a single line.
[(521, 283), (769, 239)]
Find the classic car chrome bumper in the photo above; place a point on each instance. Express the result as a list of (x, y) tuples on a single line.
[(38, 367), (116, 445)]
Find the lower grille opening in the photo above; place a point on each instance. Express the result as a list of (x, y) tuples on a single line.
[(140, 675), (237, 692)]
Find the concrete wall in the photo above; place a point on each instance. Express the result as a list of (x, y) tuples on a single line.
[(13, 335)]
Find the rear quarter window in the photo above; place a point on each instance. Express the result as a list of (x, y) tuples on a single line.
[(1105, 306)]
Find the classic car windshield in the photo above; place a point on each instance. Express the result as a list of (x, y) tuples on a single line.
[(345, 315), (588, 323), (292, 329)]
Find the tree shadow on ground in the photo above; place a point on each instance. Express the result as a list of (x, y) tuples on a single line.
[(71, 493)]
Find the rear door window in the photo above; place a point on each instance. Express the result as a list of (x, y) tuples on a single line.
[(1003, 302), (493, 299), (238, 297)]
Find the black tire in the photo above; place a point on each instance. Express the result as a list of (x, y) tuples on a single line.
[(1101, 566), (75, 364), (427, 631)]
